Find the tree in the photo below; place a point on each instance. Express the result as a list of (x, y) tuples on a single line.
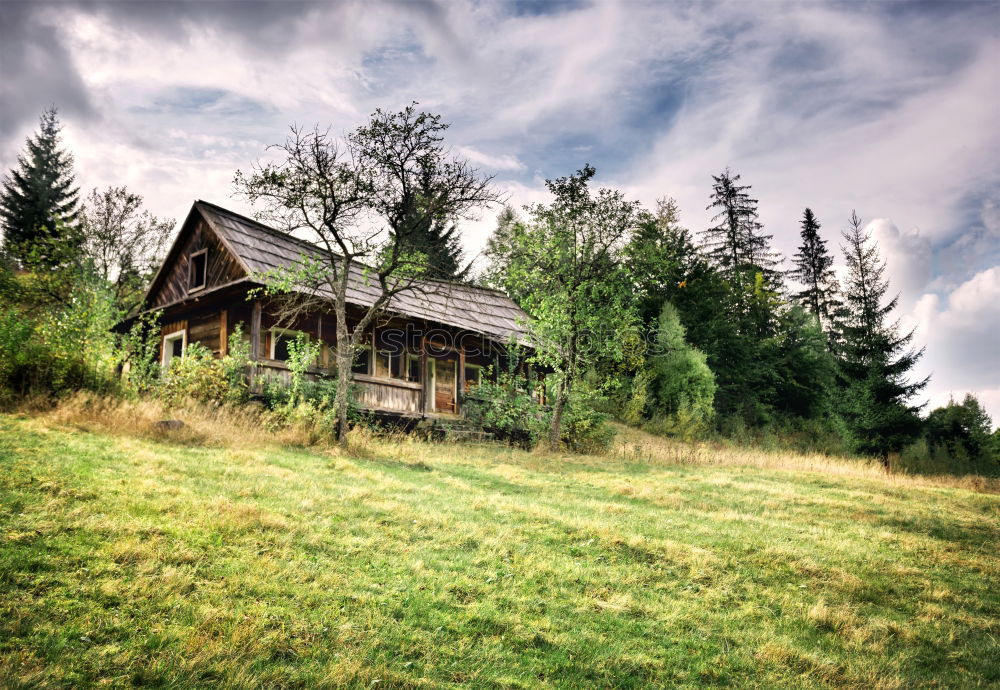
[(124, 242), (746, 314), (874, 358), (683, 385), (737, 245), (498, 252), (961, 433), (38, 197), (360, 197), (814, 270), (662, 261), (564, 266), (434, 236)]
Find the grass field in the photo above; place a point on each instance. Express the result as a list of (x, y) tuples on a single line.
[(140, 561)]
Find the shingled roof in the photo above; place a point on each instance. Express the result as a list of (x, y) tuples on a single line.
[(260, 249)]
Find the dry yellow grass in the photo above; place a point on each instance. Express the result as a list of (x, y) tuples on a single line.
[(249, 427)]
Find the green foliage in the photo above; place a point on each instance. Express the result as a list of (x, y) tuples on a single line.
[(683, 386), (38, 199), (814, 270), (198, 375), (432, 236), (585, 429), (958, 438), (123, 243), (137, 351), (737, 245), (57, 319), (201, 376), (874, 357), (564, 266), (506, 408)]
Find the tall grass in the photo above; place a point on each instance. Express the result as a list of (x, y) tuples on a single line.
[(252, 426)]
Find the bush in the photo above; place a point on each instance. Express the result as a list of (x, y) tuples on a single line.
[(584, 429), (197, 376), (507, 410), (55, 337)]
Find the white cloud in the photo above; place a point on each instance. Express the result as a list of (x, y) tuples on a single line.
[(497, 162), (962, 336)]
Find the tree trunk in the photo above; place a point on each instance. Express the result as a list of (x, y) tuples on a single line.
[(555, 432), (341, 399)]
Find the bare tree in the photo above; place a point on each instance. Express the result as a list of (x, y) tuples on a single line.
[(356, 197), (124, 243)]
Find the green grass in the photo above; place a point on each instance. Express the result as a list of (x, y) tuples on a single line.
[(136, 562)]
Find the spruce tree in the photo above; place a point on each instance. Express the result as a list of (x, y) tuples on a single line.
[(738, 245), (426, 230), (874, 357), (814, 270), (39, 200)]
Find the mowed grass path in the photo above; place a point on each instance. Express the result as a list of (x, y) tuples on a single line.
[(134, 562)]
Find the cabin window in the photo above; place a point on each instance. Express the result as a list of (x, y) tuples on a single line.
[(389, 365), (280, 338), (199, 270), (173, 346), (473, 376), (412, 367), (362, 360)]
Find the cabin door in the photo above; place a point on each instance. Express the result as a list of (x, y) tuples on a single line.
[(444, 377)]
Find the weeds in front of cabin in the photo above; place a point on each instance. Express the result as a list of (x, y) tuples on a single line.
[(253, 426)]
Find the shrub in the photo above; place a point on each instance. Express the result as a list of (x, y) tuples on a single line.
[(196, 376), (55, 333), (585, 430), (507, 409)]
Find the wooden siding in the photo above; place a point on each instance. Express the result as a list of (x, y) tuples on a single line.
[(388, 394), (222, 267), (205, 330)]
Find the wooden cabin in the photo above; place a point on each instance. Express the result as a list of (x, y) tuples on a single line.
[(430, 346)]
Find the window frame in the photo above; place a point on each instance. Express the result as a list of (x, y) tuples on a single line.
[(479, 374), (191, 270), (408, 358), (371, 360), (274, 341), (169, 338)]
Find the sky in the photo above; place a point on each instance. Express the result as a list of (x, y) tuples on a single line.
[(891, 109)]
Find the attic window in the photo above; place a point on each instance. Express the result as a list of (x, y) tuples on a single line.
[(199, 266)]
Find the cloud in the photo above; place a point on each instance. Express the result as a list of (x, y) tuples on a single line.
[(908, 256), (36, 70), (496, 162), (961, 336)]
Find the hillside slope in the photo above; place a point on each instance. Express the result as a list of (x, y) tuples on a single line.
[(138, 562)]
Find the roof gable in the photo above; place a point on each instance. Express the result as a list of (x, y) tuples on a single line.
[(172, 282)]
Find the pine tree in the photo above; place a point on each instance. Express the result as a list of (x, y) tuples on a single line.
[(875, 358), (737, 245), (426, 231), (39, 193), (814, 270)]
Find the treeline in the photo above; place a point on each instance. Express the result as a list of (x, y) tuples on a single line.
[(708, 335)]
